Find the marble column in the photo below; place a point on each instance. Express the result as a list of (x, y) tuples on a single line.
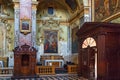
[(34, 5)]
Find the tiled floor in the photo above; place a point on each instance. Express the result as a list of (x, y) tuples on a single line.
[(59, 77), (52, 77)]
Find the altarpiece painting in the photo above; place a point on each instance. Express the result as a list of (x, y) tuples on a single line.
[(50, 41)]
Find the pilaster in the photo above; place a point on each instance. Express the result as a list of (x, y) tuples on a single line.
[(34, 8), (16, 22)]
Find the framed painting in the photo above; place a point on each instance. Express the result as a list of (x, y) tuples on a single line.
[(74, 40), (25, 26), (50, 41)]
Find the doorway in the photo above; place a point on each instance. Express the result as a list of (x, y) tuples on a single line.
[(89, 59)]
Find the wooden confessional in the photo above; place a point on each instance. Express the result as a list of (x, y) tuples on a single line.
[(102, 59), (24, 60)]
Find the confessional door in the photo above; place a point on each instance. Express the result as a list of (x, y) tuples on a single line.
[(89, 62), (25, 64)]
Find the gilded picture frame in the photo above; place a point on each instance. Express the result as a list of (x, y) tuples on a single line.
[(25, 26)]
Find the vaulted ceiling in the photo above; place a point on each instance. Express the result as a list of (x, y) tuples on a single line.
[(69, 7), (64, 4)]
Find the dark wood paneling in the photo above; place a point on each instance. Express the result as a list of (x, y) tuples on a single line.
[(107, 37)]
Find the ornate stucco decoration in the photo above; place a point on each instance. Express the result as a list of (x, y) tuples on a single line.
[(51, 22)]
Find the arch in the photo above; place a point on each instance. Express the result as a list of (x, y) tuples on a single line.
[(89, 42)]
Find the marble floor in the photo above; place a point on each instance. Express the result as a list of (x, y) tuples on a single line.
[(52, 77)]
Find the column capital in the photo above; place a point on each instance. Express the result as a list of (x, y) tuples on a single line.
[(34, 4), (16, 4)]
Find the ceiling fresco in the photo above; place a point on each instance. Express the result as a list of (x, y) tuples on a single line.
[(106, 8)]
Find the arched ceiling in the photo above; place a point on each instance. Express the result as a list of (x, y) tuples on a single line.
[(64, 4)]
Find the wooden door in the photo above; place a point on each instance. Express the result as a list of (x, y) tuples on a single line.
[(85, 67), (88, 62), (25, 62)]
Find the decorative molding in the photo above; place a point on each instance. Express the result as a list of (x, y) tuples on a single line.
[(77, 16), (34, 7), (51, 22), (34, 4), (112, 17)]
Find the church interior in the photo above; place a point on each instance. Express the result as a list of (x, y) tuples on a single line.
[(59, 39)]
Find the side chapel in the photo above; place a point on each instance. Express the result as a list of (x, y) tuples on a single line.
[(44, 37)]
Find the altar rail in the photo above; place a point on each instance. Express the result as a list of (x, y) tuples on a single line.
[(72, 69), (40, 70), (6, 71)]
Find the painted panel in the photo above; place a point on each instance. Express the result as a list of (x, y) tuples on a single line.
[(74, 40), (106, 8), (50, 41)]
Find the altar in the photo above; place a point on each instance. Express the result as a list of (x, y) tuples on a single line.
[(52, 60), (56, 63)]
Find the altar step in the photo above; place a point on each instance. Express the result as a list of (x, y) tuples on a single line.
[(24, 77), (60, 70)]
